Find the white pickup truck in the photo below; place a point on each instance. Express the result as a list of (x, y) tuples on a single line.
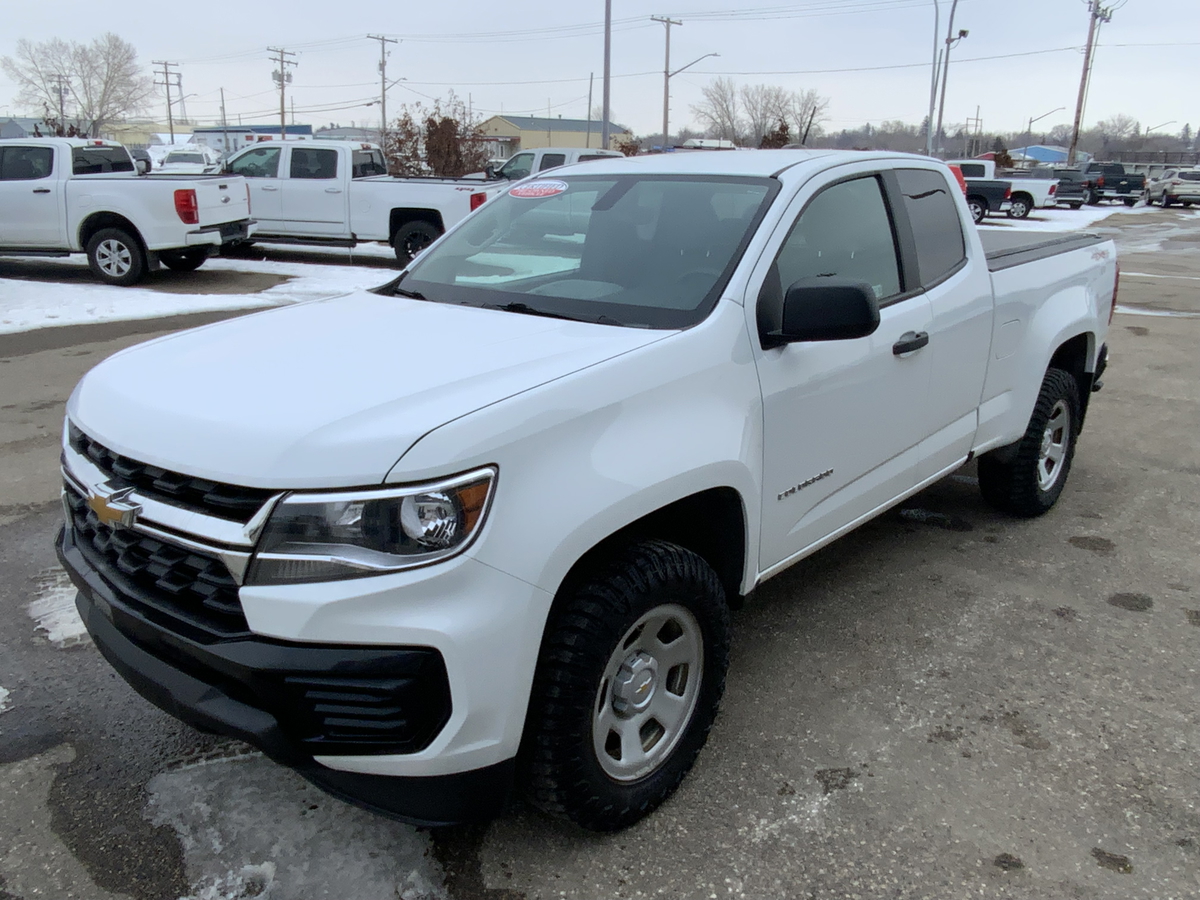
[(1028, 192), (487, 524), (539, 159), (338, 193), (70, 195)]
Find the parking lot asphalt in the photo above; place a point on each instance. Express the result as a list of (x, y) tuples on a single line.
[(945, 703)]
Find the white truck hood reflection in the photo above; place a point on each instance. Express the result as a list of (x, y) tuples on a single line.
[(325, 394)]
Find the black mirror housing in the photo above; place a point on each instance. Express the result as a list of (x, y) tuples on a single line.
[(490, 171), (827, 309)]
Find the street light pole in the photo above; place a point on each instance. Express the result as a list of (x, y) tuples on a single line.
[(950, 42), (607, 74), (1032, 119), (667, 23), (933, 78)]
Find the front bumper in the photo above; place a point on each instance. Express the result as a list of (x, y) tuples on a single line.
[(280, 696)]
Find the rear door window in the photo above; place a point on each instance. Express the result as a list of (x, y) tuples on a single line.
[(100, 160), (312, 163), (550, 160), (936, 224), (261, 162), (1189, 176), (367, 163), (26, 163)]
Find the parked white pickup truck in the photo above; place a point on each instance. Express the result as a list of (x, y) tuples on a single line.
[(486, 526), (339, 193), (1028, 192), (69, 195), (539, 159)]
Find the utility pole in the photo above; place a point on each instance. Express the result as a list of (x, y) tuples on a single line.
[(591, 77), (166, 82), (224, 128), (283, 77), (60, 84), (667, 23), (1096, 16), (933, 78), (950, 42), (383, 55), (607, 74)]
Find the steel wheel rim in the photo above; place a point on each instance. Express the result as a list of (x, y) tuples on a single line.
[(648, 693), (114, 258), (1056, 437), (1019, 209)]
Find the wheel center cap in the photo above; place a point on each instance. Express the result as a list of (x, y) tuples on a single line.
[(635, 684)]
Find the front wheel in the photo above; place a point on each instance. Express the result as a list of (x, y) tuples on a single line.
[(115, 257), (978, 209), (184, 260), (1130, 201), (1033, 477), (628, 683), (411, 238), (1019, 208), (1166, 201)]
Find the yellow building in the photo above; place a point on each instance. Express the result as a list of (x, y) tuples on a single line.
[(507, 134)]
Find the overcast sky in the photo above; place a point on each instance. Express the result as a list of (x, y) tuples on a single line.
[(871, 58)]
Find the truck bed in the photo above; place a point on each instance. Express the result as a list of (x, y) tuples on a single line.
[(1005, 249)]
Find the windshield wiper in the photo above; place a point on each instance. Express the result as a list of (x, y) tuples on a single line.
[(412, 295), (528, 310)]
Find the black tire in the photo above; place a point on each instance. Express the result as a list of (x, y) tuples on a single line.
[(116, 257), (235, 249), (1166, 201), (1130, 201), (1187, 204), (184, 260), (412, 238), (1091, 197), (1020, 207), (1078, 205), (978, 209), (589, 630), (1017, 486)]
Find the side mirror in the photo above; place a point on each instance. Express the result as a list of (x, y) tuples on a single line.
[(142, 165), (826, 309), (490, 171)]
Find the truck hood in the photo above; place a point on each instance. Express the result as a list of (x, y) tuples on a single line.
[(325, 394)]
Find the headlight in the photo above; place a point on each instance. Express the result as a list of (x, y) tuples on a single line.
[(322, 537)]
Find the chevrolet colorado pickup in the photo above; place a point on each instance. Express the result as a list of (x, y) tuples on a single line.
[(481, 528), (70, 195)]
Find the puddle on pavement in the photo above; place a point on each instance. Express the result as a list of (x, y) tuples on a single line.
[(53, 610)]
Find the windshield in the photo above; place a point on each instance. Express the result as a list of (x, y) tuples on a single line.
[(650, 252), (184, 158)]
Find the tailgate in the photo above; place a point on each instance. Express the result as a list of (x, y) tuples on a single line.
[(222, 199)]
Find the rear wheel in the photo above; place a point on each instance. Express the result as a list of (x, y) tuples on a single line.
[(115, 257), (1130, 201), (1091, 197), (1030, 482), (978, 208), (412, 238), (1021, 205), (1166, 201), (628, 683), (184, 260), (1078, 205)]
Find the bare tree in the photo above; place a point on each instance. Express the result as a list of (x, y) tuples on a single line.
[(1119, 127), (102, 79), (764, 106), (807, 111), (720, 110)]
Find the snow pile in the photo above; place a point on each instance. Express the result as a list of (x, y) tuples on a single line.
[(26, 305), (1065, 219), (3, 699), (54, 610)]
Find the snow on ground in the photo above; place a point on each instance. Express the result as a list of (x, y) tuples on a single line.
[(54, 610), (26, 305), (3, 699), (1060, 219)]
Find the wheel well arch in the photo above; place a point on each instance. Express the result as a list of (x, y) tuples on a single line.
[(401, 217), (710, 523), (982, 200), (101, 220), (1024, 195), (1075, 355)]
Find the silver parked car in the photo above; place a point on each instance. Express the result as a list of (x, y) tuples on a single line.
[(1174, 186)]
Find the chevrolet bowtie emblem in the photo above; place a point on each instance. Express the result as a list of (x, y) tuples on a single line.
[(112, 509)]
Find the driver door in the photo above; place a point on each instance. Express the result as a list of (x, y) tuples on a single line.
[(842, 420)]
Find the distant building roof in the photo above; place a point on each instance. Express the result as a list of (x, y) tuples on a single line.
[(256, 129), (19, 126), (347, 134), (541, 123)]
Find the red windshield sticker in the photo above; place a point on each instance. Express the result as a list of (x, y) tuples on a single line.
[(536, 190)]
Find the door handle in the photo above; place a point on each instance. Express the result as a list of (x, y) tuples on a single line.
[(269, 187), (41, 190), (333, 190), (910, 341)]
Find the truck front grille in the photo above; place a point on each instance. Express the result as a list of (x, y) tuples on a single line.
[(226, 501), (191, 593)]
